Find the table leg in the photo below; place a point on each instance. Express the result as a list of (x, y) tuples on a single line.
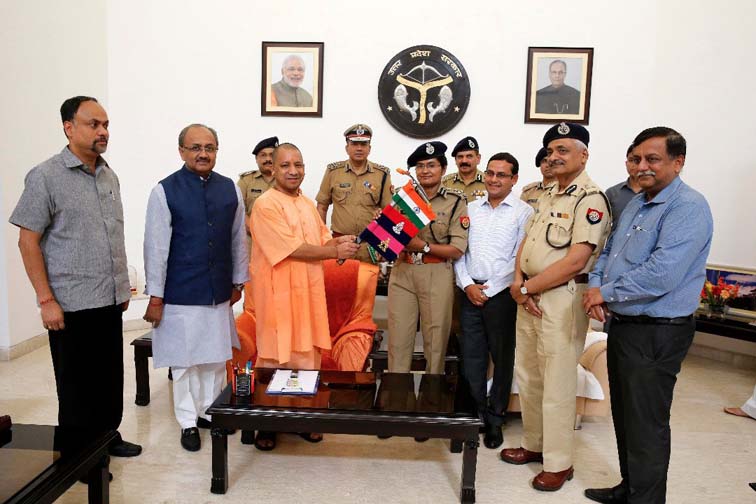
[(99, 482), (469, 461), (219, 482), (248, 437), (455, 446), (141, 355)]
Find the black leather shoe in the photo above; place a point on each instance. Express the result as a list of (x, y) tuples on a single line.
[(493, 438), (85, 479), (614, 495), (190, 439), (124, 449)]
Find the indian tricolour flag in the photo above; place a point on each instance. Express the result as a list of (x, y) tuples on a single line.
[(398, 223)]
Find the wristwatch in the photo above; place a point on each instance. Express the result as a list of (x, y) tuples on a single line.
[(523, 289), (426, 248), (239, 287)]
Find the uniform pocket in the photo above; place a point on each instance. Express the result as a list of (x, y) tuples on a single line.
[(340, 194), (558, 233)]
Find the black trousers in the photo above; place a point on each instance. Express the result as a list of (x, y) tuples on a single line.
[(87, 358), (643, 361), (489, 329)]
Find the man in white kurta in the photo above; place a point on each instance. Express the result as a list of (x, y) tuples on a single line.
[(191, 336)]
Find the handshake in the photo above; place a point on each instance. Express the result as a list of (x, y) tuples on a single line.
[(346, 247)]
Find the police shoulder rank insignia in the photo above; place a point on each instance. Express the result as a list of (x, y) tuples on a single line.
[(464, 221), (594, 216)]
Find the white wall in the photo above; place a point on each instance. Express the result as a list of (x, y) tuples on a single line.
[(50, 51), (173, 62)]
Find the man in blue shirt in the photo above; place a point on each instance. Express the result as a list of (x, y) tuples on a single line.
[(649, 277)]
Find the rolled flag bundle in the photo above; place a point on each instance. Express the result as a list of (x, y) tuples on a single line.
[(393, 230)]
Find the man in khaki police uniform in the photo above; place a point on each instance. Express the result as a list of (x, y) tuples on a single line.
[(563, 240), (356, 188), (533, 191), (468, 179), (254, 183), (422, 280)]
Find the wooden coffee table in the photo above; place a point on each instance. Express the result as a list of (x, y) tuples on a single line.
[(378, 404), (38, 463)]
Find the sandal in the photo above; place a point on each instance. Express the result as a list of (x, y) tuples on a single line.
[(265, 440), (311, 437)]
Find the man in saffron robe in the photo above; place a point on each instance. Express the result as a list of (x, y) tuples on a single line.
[(289, 243)]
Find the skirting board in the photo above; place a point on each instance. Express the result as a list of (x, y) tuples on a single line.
[(23, 348)]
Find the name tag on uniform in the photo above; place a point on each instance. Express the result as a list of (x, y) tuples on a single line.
[(345, 184), (255, 190)]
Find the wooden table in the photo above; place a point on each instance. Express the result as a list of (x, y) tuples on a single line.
[(38, 463), (377, 404)]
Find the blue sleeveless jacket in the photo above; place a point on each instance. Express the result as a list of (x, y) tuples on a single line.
[(202, 216)]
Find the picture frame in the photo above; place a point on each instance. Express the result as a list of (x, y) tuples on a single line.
[(292, 79), (744, 305), (558, 84)]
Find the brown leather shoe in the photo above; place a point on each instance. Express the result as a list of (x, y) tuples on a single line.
[(552, 481), (520, 456)]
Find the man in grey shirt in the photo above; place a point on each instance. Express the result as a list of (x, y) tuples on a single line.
[(71, 238), (619, 195)]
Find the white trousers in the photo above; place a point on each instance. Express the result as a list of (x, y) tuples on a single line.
[(750, 405), (194, 390)]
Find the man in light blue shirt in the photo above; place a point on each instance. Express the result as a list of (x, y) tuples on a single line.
[(484, 273), (649, 277)]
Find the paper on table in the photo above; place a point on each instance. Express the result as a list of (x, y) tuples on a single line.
[(303, 382)]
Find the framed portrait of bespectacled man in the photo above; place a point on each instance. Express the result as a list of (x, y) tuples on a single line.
[(292, 79), (558, 86)]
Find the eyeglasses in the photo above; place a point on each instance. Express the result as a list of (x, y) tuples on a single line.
[(498, 175), (210, 149)]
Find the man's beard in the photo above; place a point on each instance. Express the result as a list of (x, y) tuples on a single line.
[(99, 148)]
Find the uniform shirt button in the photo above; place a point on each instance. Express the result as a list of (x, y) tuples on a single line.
[(628, 234), (210, 224), (209, 244)]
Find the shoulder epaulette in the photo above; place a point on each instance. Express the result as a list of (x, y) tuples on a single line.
[(455, 192), (530, 186), (448, 178), (381, 167), (244, 174), (336, 165)]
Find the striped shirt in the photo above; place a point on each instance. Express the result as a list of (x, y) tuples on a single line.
[(654, 263), (493, 239)]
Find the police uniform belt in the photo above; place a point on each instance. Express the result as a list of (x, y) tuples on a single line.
[(420, 258), (582, 278), (646, 320)]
